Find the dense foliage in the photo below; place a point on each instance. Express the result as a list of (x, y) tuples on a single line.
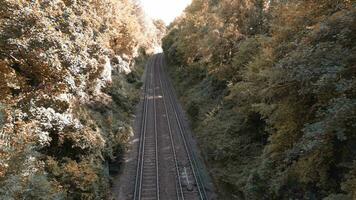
[(67, 88), (270, 87)]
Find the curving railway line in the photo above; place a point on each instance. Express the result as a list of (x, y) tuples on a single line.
[(167, 166)]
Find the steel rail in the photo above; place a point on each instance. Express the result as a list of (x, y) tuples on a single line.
[(181, 196), (144, 141), (156, 137), (194, 160), (201, 189), (141, 151), (142, 129)]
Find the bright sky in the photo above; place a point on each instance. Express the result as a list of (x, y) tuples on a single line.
[(167, 10)]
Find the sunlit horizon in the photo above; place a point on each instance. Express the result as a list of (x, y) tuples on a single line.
[(166, 10)]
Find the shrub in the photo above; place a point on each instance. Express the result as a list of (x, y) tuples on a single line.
[(280, 76)]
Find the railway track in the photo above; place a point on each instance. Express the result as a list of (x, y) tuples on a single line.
[(160, 107), (193, 182), (147, 173)]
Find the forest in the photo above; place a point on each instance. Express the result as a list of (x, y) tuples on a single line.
[(68, 85), (270, 89)]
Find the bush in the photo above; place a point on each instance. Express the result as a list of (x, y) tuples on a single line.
[(275, 108), (68, 101)]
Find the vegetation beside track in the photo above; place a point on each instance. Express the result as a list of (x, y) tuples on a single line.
[(270, 90)]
